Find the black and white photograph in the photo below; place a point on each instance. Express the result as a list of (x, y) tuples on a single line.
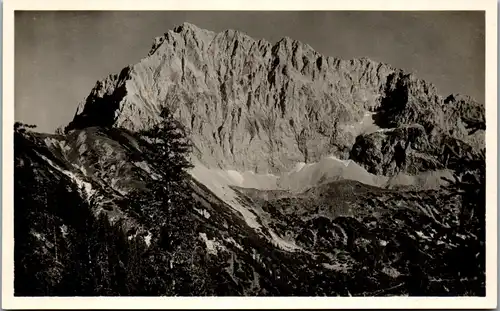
[(251, 153)]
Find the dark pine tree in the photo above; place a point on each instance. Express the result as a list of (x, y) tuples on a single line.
[(170, 266), (167, 147)]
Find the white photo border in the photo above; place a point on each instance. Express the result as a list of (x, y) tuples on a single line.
[(11, 302)]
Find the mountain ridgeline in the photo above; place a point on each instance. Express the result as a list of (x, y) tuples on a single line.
[(224, 165), (251, 105)]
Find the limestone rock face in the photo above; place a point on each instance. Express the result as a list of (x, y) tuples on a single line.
[(246, 102), (405, 149), (409, 100), (251, 105), (420, 130)]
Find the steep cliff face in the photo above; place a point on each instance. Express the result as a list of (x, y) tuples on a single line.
[(254, 106), (250, 105)]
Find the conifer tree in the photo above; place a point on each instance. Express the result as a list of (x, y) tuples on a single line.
[(166, 149)]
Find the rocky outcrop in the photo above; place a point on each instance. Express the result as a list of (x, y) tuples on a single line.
[(408, 100), (387, 152), (422, 131)]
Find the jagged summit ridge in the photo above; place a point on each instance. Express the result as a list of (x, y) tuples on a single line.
[(251, 105)]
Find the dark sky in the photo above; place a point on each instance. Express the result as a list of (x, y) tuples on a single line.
[(60, 55)]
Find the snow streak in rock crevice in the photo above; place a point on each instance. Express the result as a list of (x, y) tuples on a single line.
[(84, 187)]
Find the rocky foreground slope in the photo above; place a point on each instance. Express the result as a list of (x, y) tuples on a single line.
[(312, 176)]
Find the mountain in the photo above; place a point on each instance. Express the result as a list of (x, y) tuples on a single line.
[(305, 169), (249, 103)]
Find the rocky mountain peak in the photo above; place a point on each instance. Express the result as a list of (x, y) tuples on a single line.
[(255, 106), (187, 27)]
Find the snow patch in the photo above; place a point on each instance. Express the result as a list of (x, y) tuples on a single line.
[(345, 162), (59, 143), (422, 235), (147, 239), (64, 146), (284, 245), (212, 245), (391, 272), (235, 176), (82, 149), (84, 187), (64, 230), (232, 241), (80, 140), (298, 167), (218, 182), (144, 166), (203, 212), (132, 236), (37, 235), (84, 170), (364, 126), (335, 267)]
